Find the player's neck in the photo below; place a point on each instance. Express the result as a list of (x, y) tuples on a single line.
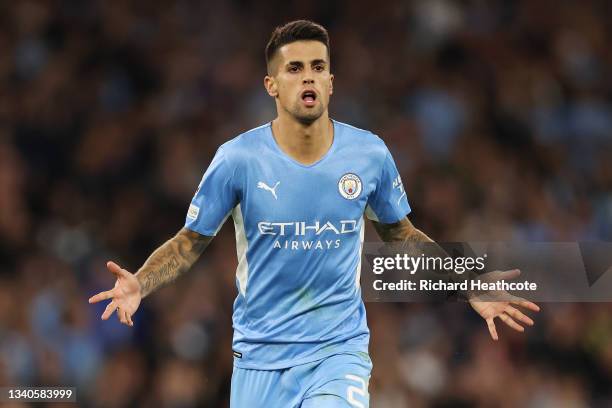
[(306, 144)]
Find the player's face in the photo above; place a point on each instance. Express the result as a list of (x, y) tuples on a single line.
[(301, 81)]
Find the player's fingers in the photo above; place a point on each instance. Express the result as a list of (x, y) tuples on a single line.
[(492, 329), (101, 296), (510, 322), (518, 315), (116, 269), (511, 274), (121, 315), (526, 304), (110, 308), (127, 318)]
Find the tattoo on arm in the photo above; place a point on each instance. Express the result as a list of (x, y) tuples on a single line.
[(173, 258), (402, 231), (406, 233)]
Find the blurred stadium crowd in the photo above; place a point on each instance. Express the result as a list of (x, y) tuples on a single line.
[(499, 116)]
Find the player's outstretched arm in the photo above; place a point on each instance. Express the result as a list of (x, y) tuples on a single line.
[(172, 259), (490, 304), (164, 265)]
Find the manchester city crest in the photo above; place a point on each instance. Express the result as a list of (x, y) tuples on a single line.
[(350, 186)]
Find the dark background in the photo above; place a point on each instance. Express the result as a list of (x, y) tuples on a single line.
[(498, 114)]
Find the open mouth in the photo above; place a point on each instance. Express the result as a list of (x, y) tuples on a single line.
[(309, 97)]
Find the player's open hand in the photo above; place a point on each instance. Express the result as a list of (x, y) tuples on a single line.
[(499, 303), (125, 295)]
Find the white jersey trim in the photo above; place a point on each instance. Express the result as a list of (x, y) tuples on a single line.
[(369, 212), (361, 239), (242, 272)]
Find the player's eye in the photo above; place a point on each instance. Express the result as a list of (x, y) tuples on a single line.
[(294, 68), (319, 68)]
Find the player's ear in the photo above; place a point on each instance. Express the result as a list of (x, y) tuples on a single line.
[(271, 86), (331, 84)]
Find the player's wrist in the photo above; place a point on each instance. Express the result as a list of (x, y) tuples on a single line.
[(140, 284)]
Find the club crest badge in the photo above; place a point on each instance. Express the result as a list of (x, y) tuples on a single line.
[(350, 186)]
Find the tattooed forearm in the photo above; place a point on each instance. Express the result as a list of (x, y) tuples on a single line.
[(416, 243), (402, 231), (171, 259), (410, 239), (167, 272)]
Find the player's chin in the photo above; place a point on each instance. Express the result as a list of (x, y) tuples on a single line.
[(309, 115), (307, 119)]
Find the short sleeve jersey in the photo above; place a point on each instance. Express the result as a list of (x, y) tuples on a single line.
[(299, 234)]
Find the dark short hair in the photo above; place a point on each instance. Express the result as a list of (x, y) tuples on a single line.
[(298, 30)]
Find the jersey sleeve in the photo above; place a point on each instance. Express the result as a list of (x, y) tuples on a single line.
[(214, 199), (388, 203)]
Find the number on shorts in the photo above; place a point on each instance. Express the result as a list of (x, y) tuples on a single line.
[(352, 390)]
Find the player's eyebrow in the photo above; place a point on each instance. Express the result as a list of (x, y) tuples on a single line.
[(301, 64)]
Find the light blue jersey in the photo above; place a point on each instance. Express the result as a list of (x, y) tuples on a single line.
[(299, 234)]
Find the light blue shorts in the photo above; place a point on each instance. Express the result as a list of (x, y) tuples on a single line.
[(340, 380)]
